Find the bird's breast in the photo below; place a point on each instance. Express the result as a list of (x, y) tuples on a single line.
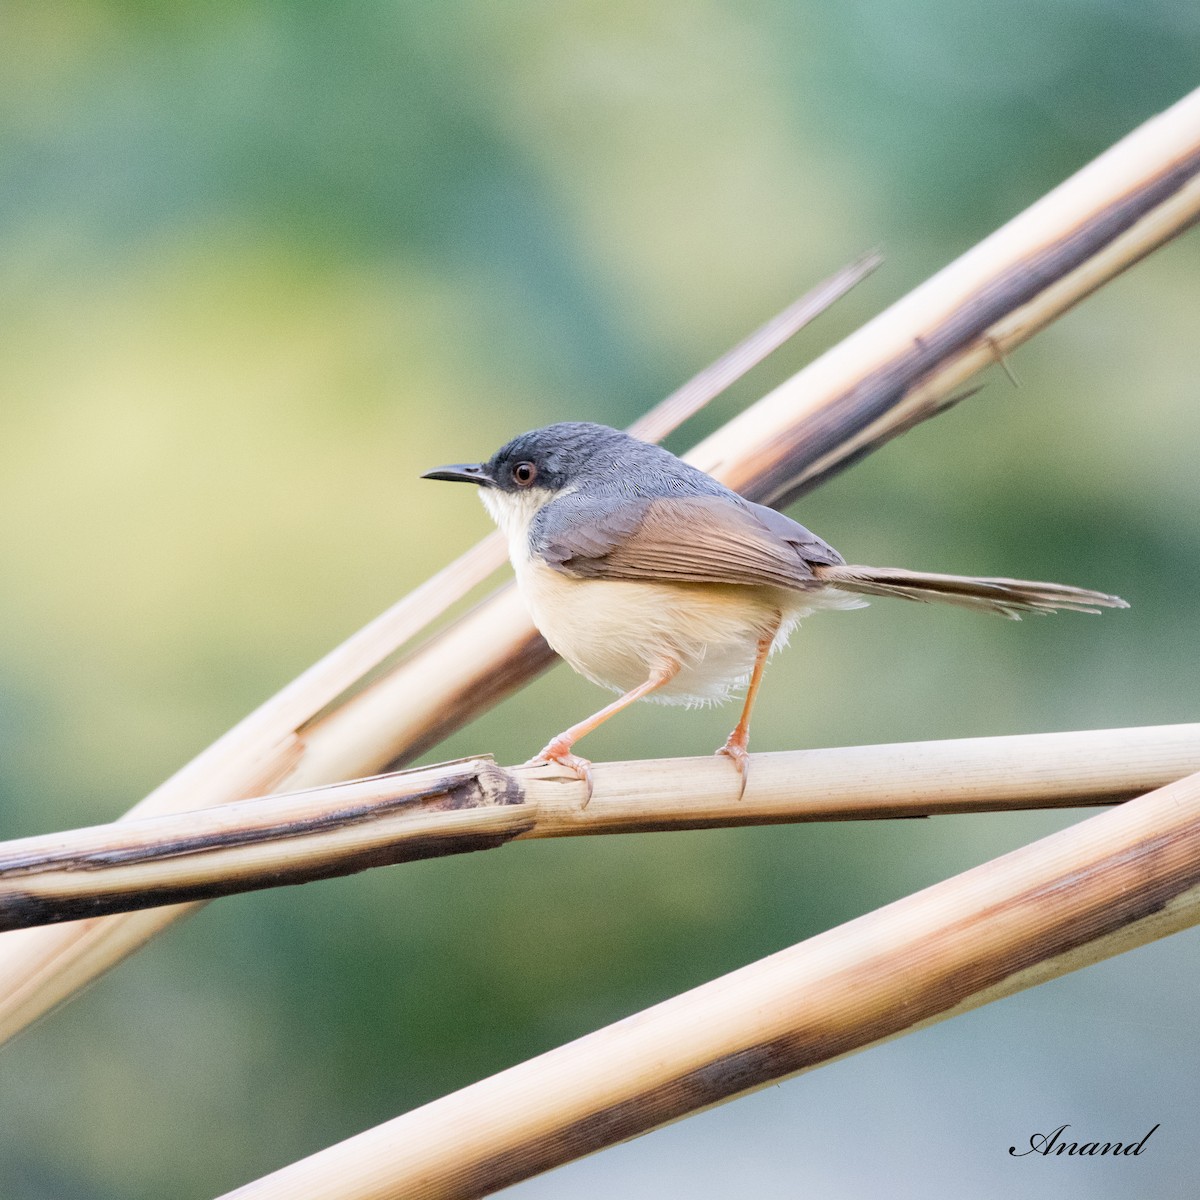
[(618, 633)]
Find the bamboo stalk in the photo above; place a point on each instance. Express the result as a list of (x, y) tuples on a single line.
[(912, 359), (713, 380), (269, 842), (472, 804), (902, 367), (1115, 881)]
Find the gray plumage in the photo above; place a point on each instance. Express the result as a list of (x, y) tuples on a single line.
[(617, 490), (620, 508)]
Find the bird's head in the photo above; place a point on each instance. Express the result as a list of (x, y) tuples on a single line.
[(543, 464)]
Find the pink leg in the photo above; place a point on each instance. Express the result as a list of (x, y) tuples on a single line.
[(559, 749), (739, 739)]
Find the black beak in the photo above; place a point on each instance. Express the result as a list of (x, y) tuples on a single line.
[(463, 473)]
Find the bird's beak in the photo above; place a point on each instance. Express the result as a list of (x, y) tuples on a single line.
[(463, 473)]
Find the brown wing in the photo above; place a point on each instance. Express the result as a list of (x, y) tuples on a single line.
[(688, 539)]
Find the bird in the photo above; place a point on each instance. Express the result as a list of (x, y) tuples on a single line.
[(656, 581)]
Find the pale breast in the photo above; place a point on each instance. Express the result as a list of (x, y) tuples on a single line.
[(618, 633)]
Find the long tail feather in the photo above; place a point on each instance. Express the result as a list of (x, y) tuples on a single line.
[(1004, 597)]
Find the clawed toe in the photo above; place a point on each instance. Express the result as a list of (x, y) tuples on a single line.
[(737, 751), (579, 767)]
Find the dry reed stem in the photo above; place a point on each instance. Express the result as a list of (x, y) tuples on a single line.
[(1110, 883), (459, 807), (898, 369)]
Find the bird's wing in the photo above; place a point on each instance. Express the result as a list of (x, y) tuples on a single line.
[(687, 539)]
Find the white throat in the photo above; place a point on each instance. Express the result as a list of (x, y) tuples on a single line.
[(514, 513)]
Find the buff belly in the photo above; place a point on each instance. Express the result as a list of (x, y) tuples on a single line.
[(618, 633)]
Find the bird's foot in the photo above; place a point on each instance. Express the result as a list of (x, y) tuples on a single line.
[(558, 751), (735, 748)]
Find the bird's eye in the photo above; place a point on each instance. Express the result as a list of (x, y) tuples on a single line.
[(524, 473)]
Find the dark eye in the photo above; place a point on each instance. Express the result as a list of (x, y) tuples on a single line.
[(524, 473)]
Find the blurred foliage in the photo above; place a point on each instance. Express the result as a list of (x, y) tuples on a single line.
[(262, 263)]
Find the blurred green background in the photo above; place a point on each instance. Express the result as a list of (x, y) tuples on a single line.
[(261, 264)]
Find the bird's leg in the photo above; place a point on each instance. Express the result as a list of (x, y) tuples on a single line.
[(559, 749), (736, 742)]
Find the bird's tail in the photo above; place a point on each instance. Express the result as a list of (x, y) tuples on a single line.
[(1004, 597)]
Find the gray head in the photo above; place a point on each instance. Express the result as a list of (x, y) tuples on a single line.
[(571, 455)]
